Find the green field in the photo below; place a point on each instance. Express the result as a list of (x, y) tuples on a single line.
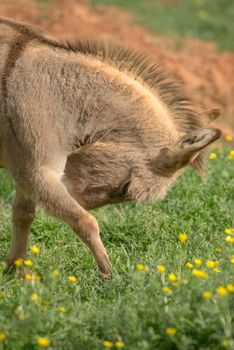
[(205, 19), (131, 307)]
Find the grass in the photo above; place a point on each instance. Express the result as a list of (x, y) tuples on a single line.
[(131, 306), (211, 20)]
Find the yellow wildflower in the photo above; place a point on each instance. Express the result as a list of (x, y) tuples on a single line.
[(172, 277), (203, 15), (72, 279), (228, 138), (175, 284), (229, 239), (62, 309), (225, 343), (171, 331), (197, 262), (20, 313), (228, 231), (107, 344), (230, 288), (199, 273), (32, 278), (167, 290), (222, 291), (161, 268), (182, 237), (19, 262), (55, 273), (36, 277), (231, 155), (213, 156), (34, 249), (28, 262), (3, 336), (140, 267), (207, 295), (43, 342), (35, 297), (28, 277), (119, 344), (219, 250), (232, 260), (212, 264), (217, 270), (189, 265)]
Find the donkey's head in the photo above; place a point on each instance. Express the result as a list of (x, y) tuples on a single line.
[(121, 168)]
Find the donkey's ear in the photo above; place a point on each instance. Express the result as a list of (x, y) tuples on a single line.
[(188, 147), (198, 139), (210, 114)]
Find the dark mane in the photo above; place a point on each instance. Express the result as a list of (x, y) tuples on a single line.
[(126, 59)]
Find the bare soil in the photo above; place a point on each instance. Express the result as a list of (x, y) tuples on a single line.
[(207, 72)]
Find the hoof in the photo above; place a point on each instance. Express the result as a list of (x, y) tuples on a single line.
[(104, 267)]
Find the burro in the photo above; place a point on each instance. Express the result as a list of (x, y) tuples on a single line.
[(84, 123)]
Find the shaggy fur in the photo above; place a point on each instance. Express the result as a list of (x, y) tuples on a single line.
[(85, 123)]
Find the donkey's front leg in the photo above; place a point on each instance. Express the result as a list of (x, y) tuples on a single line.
[(48, 191), (23, 215)]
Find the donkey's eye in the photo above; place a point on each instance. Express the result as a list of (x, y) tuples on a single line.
[(125, 187)]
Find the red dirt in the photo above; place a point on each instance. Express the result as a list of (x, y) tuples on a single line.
[(207, 72)]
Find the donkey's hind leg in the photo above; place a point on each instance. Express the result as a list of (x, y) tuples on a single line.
[(23, 215), (48, 191)]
